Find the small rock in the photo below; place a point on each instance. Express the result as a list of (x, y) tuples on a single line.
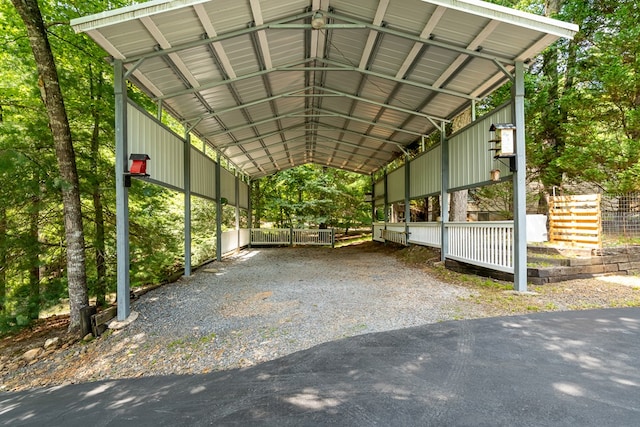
[(52, 343), (32, 354), (87, 337)]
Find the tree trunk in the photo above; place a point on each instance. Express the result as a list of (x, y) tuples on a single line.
[(101, 269), (59, 124), (3, 257), (33, 254), (459, 199), (436, 208), (3, 246)]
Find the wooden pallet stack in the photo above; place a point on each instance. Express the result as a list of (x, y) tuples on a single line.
[(575, 221)]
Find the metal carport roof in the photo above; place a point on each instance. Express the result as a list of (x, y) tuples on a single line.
[(273, 84)]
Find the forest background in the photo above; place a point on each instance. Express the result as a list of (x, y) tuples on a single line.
[(583, 127)]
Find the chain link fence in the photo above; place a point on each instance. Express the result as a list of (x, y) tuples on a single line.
[(620, 217)]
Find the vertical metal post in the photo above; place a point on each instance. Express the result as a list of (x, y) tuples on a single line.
[(218, 211), (187, 203), (374, 217), (249, 209), (237, 224), (519, 185), (386, 199), (122, 192), (407, 196), (473, 110), (444, 193)]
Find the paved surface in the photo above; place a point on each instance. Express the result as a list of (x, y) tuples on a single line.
[(561, 369)]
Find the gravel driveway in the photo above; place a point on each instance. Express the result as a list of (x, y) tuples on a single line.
[(265, 303), (256, 306)]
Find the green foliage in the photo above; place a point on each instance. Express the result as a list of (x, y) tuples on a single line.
[(313, 196), (584, 110)]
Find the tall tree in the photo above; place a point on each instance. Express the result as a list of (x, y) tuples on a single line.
[(51, 94)]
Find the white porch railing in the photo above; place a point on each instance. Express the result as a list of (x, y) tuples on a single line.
[(295, 236), (395, 236), (487, 244), (425, 233), (234, 239), (270, 236), (313, 237)]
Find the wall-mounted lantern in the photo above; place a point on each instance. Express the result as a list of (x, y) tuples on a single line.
[(138, 168), (502, 136)]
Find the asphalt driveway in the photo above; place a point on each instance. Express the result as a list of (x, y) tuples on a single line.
[(577, 368)]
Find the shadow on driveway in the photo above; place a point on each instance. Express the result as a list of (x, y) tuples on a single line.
[(561, 369)]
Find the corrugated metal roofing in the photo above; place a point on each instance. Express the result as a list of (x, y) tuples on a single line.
[(270, 88)]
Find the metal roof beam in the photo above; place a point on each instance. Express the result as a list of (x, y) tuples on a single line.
[(381, 104), (344, 67), (357, 25), (379, 162), (264, 135), (215, 84), (359, 134), (250, 104), (373, 35), (329, 113), (435, 18), (337, 141), (259, 122), (220, 37)]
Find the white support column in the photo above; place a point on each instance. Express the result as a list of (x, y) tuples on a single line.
[(122, 192), (218, 211), (187, 204), (444, 194), (519, 185)]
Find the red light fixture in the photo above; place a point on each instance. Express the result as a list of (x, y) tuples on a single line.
[(139, 164), (138, 168)]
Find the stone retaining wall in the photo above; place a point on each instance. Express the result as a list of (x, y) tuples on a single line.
[(552, 265)]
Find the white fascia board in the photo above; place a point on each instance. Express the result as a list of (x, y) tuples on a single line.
[(123, 14), (511, 16)]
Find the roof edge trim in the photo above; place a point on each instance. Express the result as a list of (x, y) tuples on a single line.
[(109, 17), (511, 16)]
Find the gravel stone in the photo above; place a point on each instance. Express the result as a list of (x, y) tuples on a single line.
[(258, 305)]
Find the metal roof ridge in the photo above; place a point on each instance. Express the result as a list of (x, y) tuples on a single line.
[(512, 16), (135, 11)]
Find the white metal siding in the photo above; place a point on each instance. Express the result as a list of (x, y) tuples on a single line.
[(379, 192), (470, 160), (228, 186), (166, 149), (426, 173), (395, 185), (244, 195), (203, 175)]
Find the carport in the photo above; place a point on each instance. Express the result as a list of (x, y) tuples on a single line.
[(268, 85)]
